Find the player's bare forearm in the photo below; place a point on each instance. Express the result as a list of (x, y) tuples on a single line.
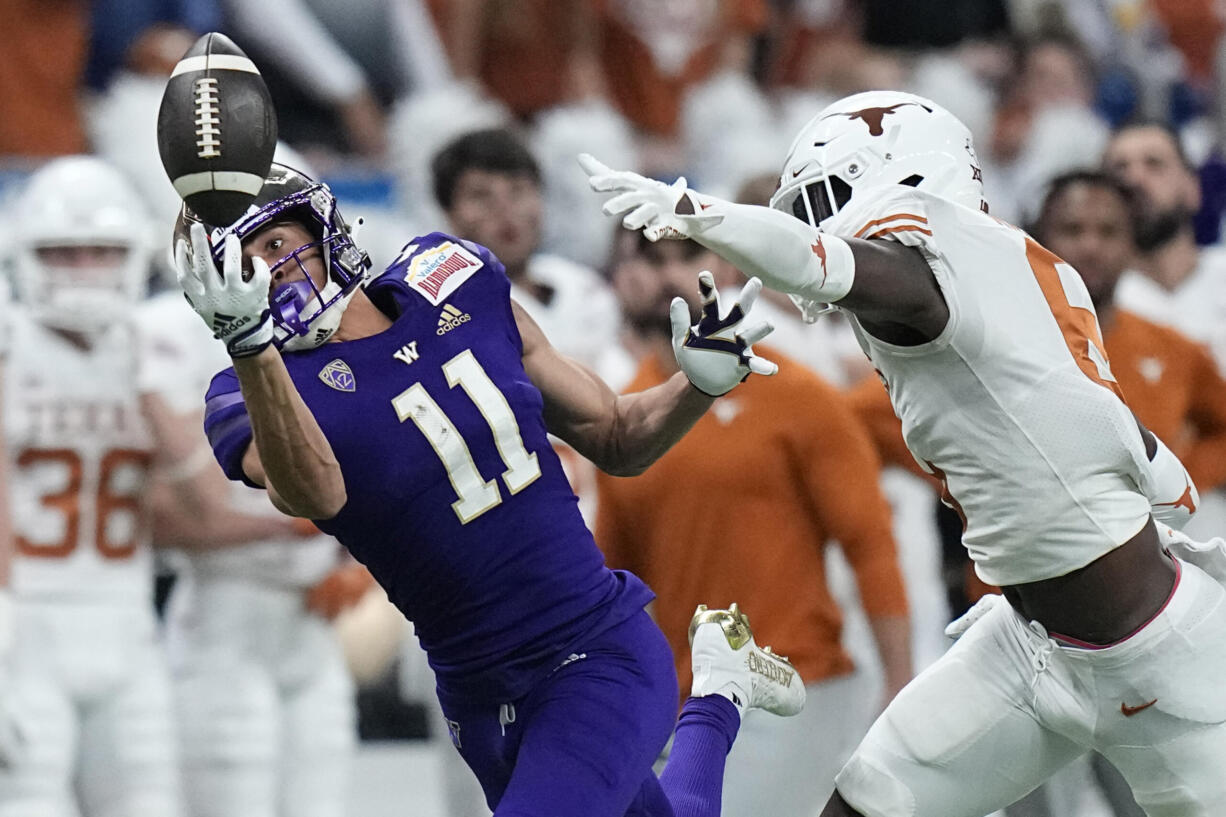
[(648, 423), (620, 434), (210, 524), (296, 459), (893, 637)]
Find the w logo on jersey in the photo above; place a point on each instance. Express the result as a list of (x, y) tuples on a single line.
[(338, 375)]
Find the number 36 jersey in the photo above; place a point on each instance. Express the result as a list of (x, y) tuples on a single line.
[(456, 502), (79, 458)]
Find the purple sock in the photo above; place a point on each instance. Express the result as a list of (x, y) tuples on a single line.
[(694, 776)]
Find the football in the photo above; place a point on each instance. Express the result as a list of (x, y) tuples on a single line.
[(217, 130)]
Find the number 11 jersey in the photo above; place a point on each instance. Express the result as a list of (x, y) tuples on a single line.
[(456, 502)]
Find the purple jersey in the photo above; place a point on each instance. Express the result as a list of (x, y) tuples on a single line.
[(456, 501)]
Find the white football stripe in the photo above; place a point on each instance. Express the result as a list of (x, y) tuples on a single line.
[(219, 62), (230, 180)]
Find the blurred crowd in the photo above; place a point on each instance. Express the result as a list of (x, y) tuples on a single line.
[(1101, 129)]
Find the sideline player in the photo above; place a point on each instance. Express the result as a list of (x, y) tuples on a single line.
[(408, 418), (266, 714), (992, 355), (90, 685), (90, 681)]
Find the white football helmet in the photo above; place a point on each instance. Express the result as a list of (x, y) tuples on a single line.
[(83, 244), (872, 139)]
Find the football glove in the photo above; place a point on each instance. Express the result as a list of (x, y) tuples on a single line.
[(235, 309), (716, 353), (986, 604), (660, 210)]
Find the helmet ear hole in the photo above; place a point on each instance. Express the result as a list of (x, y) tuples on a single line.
[(913, 180)]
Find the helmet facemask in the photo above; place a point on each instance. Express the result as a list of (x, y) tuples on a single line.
[(305, 313)]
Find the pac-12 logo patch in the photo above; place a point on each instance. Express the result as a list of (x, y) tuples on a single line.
[(338, 375), (437, 271)]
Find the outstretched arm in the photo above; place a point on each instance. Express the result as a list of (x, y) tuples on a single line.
[(624, 434), (289, 453), (888, 286)]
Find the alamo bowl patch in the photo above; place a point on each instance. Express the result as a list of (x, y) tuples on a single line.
[(338, 375), (437, 271)]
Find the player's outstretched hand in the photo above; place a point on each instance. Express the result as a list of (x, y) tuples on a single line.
[(660, 210), (717, 352), (235, 309)]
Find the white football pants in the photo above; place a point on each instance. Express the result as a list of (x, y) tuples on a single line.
[(265, 701), (1007, 706), (95, 707)]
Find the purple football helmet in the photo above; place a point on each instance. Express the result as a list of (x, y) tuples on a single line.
[(304, 315)]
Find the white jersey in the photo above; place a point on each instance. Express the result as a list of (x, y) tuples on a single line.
[(181, 358), (80, 454), (581, 318), (1013, 407)]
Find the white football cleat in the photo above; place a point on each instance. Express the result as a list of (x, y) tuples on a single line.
[(727, 662)]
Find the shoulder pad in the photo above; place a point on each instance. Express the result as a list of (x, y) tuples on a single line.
[(897, 211), (435, 265)]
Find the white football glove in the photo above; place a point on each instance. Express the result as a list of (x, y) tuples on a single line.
[(660, 210), (235, 309), (986, 604), (716, 353)]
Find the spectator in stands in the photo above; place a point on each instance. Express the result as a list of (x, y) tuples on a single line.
[(653, 52), (489, 186), (756, 534), (1175, 282), (41, 68), (333, 68), (146, 36), (531, 55)]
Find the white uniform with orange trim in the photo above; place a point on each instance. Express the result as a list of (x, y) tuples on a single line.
[(90, 678), (266, 709), (1014, 407)]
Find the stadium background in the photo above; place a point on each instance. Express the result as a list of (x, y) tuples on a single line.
[(368, 90)]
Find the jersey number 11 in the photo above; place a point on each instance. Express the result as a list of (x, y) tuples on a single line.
[(476, 495)]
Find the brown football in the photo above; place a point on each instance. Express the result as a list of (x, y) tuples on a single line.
[(217, 130)]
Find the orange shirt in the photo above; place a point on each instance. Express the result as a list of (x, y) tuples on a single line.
[(1194, 27), (871, 404), (741, 510), (42, 65), (653, 50), (525, 51), (1172, 384)]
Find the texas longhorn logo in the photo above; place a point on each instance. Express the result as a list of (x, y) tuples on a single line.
[(873, 116), (819, 249)]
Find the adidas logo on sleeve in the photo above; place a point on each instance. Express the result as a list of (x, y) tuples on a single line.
[(451, 318)]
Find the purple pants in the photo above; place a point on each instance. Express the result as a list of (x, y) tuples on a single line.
[(582, 742)]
